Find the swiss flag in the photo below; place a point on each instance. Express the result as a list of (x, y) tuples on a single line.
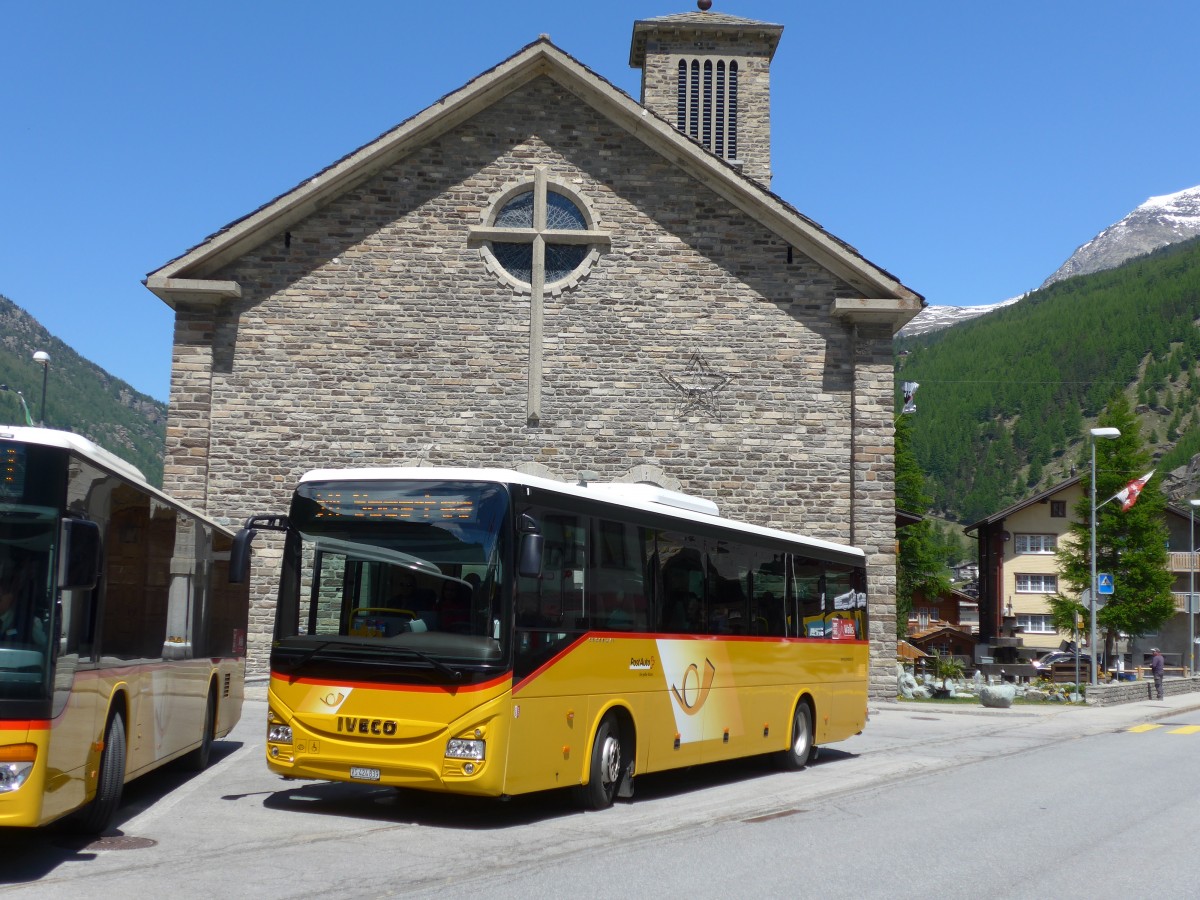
[(1129, 494)]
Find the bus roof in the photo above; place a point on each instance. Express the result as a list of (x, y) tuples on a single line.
[(632, 495), (94, 453), (49, 437)]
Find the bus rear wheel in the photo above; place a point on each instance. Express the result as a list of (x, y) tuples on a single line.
[(801, 750), (197, 760), (605, 776), (96, 816)]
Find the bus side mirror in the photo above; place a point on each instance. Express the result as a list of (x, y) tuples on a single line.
[(529, 563), (239, 554), (79, 561)]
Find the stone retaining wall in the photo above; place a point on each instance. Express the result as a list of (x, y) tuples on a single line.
[(1132, 691)]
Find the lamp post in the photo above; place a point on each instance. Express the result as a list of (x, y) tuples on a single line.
[(1192, 587), (1111, 434), (43, 357)]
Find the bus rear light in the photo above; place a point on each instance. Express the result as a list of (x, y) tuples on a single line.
[(461, 748), (16, 762)]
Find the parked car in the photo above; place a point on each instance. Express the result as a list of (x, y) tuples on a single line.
[(1061, 656)]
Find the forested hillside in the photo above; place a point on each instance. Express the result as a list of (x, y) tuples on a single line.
[(1005, 400), (80, 396)]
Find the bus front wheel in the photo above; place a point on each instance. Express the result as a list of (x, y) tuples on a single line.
[(605, 776), (801, 750), (96, 816)]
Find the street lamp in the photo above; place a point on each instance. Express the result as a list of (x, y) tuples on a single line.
[(44, 358), (1192, 588), (1111, 434)]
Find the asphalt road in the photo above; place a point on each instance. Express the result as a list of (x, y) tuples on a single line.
[(1060, 802)]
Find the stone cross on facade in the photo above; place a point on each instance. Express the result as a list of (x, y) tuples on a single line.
[(539, 238)]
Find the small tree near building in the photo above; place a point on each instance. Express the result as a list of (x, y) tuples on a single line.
[(1130, 544), (921, 562)]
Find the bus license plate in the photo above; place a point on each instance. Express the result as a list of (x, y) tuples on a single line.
[(361, 773)]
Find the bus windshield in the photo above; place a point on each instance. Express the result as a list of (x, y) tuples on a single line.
[(403, 577), (27, 536)]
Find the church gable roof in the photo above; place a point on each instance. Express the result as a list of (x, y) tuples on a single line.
[(186, 275)]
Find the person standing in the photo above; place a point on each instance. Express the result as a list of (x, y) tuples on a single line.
[(1156, 669)]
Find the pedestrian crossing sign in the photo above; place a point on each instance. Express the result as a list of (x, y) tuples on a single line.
[(1104, 583)]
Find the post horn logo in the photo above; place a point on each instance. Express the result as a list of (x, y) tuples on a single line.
[(333, 699), (692, 696)]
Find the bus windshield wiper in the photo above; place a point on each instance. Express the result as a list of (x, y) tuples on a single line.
[(442, 667), (454, 673), (306, 656)]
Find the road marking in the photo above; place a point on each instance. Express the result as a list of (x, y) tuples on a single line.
[(1140, 728), (1186, 729)]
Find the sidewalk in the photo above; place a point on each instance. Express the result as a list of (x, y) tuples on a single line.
[(1118, 715)]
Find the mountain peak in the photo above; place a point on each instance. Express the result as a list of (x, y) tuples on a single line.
[(1156, 223)]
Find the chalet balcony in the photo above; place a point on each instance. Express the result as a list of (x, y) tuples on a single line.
[(1181, 598), (1184, 562)]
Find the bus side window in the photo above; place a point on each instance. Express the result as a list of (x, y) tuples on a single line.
[(845, 603), (618, 566), (681, 561), (808, 580), (768, 609), (728, 589)]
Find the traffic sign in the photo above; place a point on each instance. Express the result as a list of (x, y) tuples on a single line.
[(1104, 583)]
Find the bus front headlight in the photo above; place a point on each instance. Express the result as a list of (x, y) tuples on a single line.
[(461, 748), (16, 762), (277, 731)]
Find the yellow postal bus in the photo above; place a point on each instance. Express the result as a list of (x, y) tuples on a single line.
[(487, 632), (122, 640)]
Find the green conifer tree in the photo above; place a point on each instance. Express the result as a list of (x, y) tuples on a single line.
[(1130, 544), (920, 565)]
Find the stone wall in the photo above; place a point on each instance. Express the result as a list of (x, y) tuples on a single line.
[(373, 333), (1132, 691)]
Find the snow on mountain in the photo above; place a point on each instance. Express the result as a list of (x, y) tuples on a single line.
[(931, 318), (1156, 223)]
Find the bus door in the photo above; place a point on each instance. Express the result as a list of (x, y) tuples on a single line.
[(550, 686), (74, 708)]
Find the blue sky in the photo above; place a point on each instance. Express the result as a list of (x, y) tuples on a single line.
[(968, 148)]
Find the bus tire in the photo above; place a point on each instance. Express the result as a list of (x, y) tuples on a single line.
[(606, 767), (98, 814), (197, 760), (801, 749)]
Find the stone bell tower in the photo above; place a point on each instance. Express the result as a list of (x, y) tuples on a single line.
[(709, 74)]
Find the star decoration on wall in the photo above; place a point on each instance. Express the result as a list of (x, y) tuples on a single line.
[(698, 386)]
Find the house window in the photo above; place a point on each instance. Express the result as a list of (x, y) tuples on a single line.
[(1058, 509), (1035, 624), (1036, 543), (1037, 584)]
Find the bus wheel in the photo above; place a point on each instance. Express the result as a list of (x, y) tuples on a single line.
[(197, 760), (601, 788), (96, 816), (801, 751)]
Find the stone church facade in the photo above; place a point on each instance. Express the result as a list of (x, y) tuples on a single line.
[(539, 272)]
